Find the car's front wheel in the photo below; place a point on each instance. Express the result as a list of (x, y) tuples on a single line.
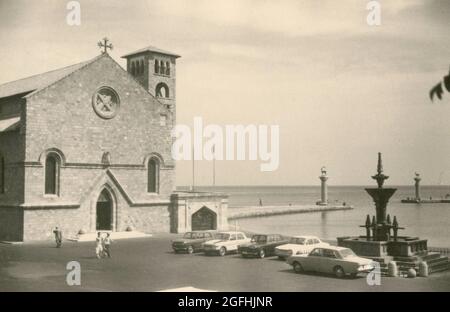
[(297, 267), (190, 250), (222, 251), (339, 272), (261, 254)]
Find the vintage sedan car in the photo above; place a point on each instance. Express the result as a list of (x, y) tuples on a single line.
[(339, 261), (262, 245), (225, 242), (192, 241), (299, 245)]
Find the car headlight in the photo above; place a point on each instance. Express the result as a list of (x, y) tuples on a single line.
[(365, 267)]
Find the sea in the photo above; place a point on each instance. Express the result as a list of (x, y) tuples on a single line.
[(428, 221)]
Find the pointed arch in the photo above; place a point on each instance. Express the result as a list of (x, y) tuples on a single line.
[(105, 210), (204, 219)]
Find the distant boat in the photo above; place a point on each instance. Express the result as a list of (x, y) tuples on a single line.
[(426, 201)]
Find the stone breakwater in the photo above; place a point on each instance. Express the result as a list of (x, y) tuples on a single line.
[(265, 211)]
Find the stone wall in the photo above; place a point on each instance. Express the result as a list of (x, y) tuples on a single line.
[(11, 224), (12, 149), (40, 222)]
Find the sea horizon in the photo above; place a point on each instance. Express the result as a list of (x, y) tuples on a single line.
[(420, 220)]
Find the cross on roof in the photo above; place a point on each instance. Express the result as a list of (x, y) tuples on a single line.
[(104, 45)]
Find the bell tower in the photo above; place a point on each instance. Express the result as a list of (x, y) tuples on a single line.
[(155, 70)]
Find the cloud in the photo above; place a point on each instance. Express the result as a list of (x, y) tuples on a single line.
[(289, 17)]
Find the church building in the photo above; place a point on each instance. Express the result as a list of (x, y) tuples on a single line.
[(88, 147)]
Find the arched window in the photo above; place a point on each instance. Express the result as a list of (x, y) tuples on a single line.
[(162, 90), (2, 174), (153, 175), (167, 68), (52, 165), (156, 67), (133, 69)]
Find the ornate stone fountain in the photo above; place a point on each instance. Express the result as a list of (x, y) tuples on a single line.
[(381, 241)]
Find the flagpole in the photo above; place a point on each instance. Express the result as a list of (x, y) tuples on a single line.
[(193, 168), (214, 167)]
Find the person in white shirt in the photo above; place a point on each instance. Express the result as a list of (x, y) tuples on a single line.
[(99, 245)]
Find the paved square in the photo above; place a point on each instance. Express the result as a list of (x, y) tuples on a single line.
[(148, 264)]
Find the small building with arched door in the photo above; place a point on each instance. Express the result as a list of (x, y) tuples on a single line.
[(195, 211)]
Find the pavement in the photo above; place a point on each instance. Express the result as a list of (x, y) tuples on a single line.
[(149, 264)]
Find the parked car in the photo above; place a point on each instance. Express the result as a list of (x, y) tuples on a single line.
[(192, 241), (336, 260), (262, 245), (299, 245), (225, 242)]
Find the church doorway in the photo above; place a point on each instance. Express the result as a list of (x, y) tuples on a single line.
[(104, 215), (204, 219)]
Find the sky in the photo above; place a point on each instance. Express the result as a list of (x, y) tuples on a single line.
[(340, 90)]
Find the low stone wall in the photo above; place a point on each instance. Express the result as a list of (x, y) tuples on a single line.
[(263, 211)]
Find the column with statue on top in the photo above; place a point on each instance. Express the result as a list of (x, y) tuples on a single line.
[(323, 188)]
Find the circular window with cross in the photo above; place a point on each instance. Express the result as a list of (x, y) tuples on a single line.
[(106, 102)]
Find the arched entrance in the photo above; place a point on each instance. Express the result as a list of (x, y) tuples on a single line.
[(104, 213), (204, 219)]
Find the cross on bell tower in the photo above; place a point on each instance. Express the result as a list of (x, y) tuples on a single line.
[(105, 45)]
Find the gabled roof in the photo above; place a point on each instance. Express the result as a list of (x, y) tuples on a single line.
[(40, 81), (151, 49)]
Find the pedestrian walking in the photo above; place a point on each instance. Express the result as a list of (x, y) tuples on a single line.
[(99, 245), (107, 245), (58, 237)]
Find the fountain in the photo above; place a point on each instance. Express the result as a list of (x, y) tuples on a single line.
[(382, 242)]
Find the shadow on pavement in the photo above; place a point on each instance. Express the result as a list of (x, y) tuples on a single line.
[(318, 274)]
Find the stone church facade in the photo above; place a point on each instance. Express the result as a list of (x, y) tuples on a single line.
[(88, 147)]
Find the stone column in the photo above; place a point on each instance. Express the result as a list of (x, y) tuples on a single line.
[(323, 190), (417, 179)]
